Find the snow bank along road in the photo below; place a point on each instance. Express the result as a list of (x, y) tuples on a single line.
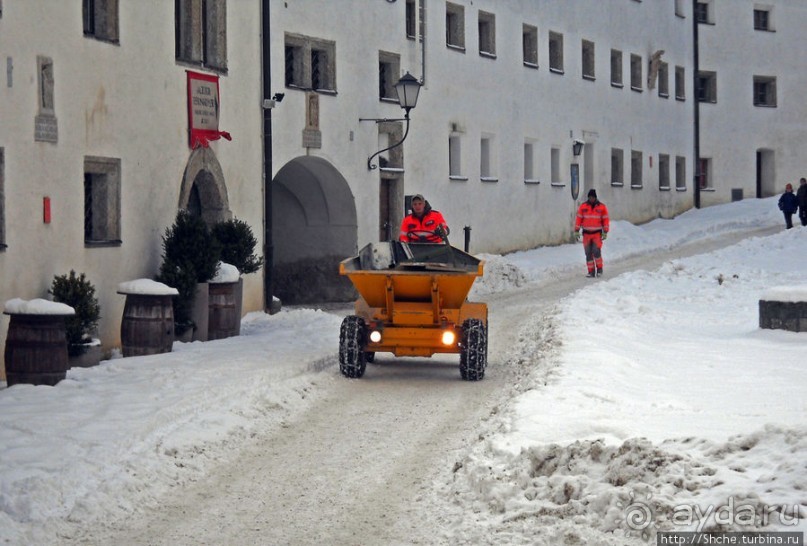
[(357, 464)]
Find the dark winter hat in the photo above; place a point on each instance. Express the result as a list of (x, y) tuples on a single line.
[(417, 197), (592, 193)]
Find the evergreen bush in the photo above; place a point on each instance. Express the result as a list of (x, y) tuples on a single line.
[(190, 255), (78, 293), (237, 245)]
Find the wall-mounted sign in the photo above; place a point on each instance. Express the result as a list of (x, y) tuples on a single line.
[(203, 110)]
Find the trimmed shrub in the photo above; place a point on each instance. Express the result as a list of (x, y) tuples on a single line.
[(78, 293), (237, 245)]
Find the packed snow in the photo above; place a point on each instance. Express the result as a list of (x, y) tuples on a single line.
[(146, 287), (653, 401), (37, 306)]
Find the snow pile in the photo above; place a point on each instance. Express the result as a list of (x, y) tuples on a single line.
[(37, 306), (146, 287)]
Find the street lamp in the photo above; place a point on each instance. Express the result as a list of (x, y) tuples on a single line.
[(577, 147), (408, 89)]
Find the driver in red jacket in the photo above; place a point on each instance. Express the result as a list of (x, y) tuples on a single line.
[(592, 216), (424, 224)]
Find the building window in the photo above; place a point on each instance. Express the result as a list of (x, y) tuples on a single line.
[(487, 34), (310, 63), (201, 33), (635, 169), (707, 86), (616, 68), (487, 159), (554, 161), (680, 83), (704, 12), (636, 72), (529, 163), (704, 174), (455, 157), (389, 69), (588, 60), (2, 200), (102, 181), (455, 26), (100, 19), (529, 43), (680, 173), (663, 80), (679, 8), (663, 172), (764, 91), (617, 162), (762, 18), (412, 19), (556, 52)]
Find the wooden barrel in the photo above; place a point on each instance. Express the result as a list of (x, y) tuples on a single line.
[(148, 325), (224, 318), (36, 349)]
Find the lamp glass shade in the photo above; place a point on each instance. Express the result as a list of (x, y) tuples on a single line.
[(577, 147), (408, 89)]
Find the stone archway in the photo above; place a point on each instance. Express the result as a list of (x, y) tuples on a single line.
[(313, 228), (203, 191)]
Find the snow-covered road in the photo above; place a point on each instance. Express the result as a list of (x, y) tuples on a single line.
[(367, 461)]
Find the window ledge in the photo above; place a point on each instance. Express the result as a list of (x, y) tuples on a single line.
[(636, 186), (556, 70), (391, 100), (487, 54), (391, 169), (617, 184), (663, 188), (765, 29), (681, 189), (100, 244), (707, 101), (459, 48), (458, 177), (589, 77), (531, 181), (528, 64), (637, 89), (112, 41), (664, 95), (489, 178), (558, 184), (331, 92), (710, 190), (617, 85), (765, 105), (680, 98)]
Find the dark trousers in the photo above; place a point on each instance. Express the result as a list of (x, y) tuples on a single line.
[(788, 219), (803, 216)]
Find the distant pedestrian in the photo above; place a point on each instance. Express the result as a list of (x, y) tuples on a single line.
[(788, 204), (592, 217), (801, 195)]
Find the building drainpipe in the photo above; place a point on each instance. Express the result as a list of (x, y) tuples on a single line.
[(697, 121), (268, 246)]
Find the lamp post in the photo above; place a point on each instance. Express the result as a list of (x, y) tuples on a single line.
[(408, 89)]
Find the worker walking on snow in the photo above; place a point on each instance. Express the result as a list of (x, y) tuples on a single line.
[(592, 217)]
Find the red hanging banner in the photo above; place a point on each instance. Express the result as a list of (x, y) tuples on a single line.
[(203, 110)]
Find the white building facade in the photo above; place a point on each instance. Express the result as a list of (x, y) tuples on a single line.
[(525, 105), (95, 154)]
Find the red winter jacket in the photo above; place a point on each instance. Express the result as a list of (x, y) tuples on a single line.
[(421, 230), (592, 218)]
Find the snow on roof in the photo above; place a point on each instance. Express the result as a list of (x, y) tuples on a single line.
[(226, 273), (793, 294), (146, 287), (37, 306)]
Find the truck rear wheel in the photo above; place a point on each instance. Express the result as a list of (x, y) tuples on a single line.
[(352, 359), (474, 354)]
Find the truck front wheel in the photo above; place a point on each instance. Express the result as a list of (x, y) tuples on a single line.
[(352, 358), (474, 353)]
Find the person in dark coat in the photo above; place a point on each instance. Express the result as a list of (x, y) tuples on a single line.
[(789, 204), (801, 195)]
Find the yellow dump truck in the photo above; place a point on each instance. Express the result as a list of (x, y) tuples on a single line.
[(413, 302)]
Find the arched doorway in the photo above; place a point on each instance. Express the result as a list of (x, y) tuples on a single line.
[(314, 228), (203, 191)]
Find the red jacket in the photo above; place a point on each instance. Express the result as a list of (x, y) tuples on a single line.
[(421, 230), (592, 218)]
